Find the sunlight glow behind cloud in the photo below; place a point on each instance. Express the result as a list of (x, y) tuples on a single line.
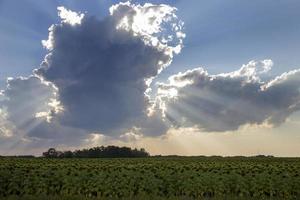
[(226, 101), (94, 82)]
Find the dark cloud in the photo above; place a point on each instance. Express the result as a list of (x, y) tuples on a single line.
[(100, 67), (95, 77), (224, 102)]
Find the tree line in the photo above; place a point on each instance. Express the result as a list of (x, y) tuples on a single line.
[(98, 152)]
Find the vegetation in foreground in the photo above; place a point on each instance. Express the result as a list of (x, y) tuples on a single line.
[(146, 178)]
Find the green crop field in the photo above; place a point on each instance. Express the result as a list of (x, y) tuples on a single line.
[(150, 178)]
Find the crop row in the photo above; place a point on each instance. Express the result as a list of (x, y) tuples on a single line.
[(163, 177)]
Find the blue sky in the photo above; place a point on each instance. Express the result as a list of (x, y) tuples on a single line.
[(233, 89), (221, 35)]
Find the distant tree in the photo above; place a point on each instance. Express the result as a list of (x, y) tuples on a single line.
[(264, 156), (98, 152), (67, 154), (51, 153)]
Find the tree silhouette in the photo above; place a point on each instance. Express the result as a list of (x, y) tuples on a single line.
[(51, 153), (98, 152)]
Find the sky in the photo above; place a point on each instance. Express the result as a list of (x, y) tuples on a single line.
[(175, 77)]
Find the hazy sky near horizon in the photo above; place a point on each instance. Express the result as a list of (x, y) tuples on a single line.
[(177, 77)]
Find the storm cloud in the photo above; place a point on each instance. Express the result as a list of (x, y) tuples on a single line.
[(224, 102)]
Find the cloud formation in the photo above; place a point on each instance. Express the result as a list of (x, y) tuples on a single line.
[(103, 68), (224, 102), (26, 99), (93, 85), (28, 108), (96, 75)]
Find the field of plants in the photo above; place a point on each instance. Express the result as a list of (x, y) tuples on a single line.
[(150, 178)]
